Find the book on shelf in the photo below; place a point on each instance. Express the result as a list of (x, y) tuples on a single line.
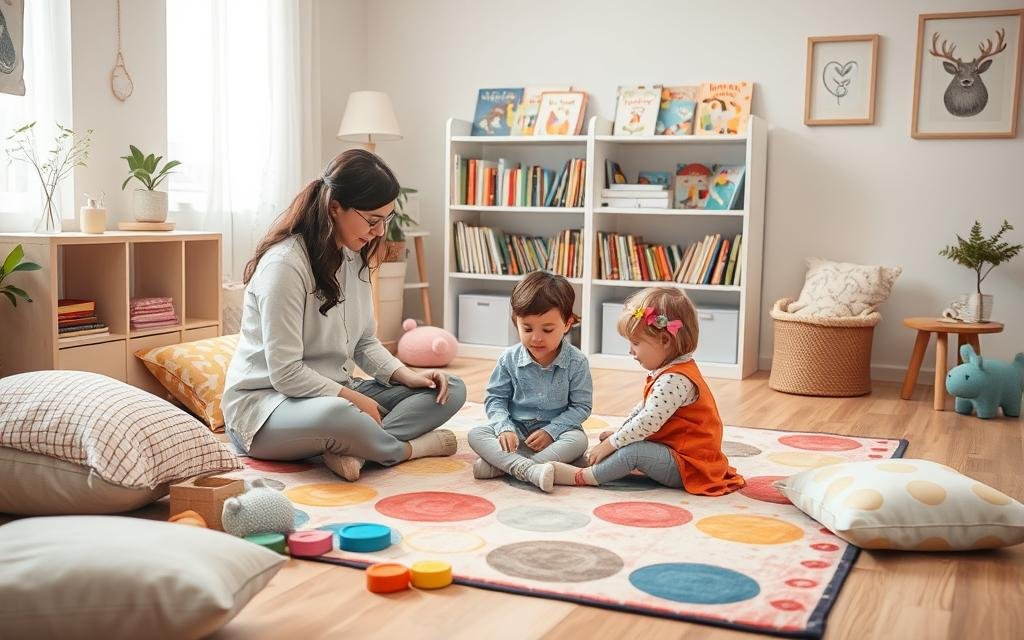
[(677, 110), (636, 111), (650, 179), (561, 113), (483, 250), (640, 196), (636, 203), (709, 261), (525, 118), (692, 182), (507, 184), (76, 322), (628, 257), (494, 111), (637, 186), (723, 108), (613, 174), (726, 186), (66, 306), (91, 330)]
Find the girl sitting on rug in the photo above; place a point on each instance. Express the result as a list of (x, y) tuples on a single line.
[(540, 391), (674, 436)]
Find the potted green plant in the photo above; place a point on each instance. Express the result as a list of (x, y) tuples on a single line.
[(981, 255), (67, 152), (391, 271), (14, 262), (148, 205)]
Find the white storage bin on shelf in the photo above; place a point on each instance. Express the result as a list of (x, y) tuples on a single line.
[(718, 333), (486, 319), (611, 342)]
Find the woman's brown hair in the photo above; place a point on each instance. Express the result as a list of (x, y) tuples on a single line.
[(356, 179)]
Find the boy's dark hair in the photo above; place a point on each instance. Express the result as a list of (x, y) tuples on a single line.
[(539, 292)]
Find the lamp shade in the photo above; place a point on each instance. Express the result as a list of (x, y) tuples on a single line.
[(369, 117)]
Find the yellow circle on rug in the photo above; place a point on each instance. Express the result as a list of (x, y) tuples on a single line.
[(431, 466), (594, 423), (750, 529), (431, 574), (804, 458), (443, 541), (330, 494)]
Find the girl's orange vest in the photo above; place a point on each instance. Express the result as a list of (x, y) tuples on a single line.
[(694, 433)]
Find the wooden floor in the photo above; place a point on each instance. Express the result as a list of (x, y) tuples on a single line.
[(887, 595)]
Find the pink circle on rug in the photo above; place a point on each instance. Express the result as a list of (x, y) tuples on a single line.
[(435, 506), (820, 443), (879, 449), (824, 546), (274, 466), (760, 488), (815, 564), (787, 605), (875, 455), (826, 532), (650, 515), (801, 583)]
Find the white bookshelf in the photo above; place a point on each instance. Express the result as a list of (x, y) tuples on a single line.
[(674, 226)]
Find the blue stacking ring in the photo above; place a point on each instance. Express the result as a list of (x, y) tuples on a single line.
[(364, 538)]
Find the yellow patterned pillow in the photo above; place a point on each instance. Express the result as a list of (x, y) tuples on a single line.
[(906, 504), (193, 372)]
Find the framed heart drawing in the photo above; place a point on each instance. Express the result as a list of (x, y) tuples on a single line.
[(840, 84)]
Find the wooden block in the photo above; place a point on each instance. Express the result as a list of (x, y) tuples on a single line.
[(205, 495), (145, 226)]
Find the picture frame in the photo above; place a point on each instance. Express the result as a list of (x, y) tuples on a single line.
[(982, 98), (841, 78)]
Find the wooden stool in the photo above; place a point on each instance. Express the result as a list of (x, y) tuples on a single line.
[(967, 333)]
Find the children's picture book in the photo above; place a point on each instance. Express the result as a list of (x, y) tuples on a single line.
[(655, 177), (636, 112), (495, 109), (526, 112), (561, 113), (691, 186), (724, 108), (726, 186), (613, 173), (678, 107)]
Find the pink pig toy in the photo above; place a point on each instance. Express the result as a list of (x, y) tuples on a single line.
[(426, 346)]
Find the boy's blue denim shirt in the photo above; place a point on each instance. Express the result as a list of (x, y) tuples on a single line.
[(555, 398)]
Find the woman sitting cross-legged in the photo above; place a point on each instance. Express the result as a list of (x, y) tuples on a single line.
[(307, 321)]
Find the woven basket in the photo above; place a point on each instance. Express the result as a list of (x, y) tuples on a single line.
[(821, 356)]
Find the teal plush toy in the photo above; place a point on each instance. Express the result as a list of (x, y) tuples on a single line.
[(985, 384)]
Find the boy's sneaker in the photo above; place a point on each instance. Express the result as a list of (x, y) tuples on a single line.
[(483, 470)]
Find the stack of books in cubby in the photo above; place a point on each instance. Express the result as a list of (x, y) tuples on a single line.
[(712, 261), (492, 251), (504, 183), (77, 318)]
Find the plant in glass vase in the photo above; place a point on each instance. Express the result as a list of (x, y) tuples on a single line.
[(977, 252), (68, 151)]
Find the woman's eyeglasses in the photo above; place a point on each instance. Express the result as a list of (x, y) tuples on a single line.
[(385, 221)]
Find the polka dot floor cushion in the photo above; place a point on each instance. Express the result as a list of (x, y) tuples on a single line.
[(193, 372), (906, 504)]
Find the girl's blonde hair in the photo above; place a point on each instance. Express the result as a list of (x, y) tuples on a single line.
[(669, 304)]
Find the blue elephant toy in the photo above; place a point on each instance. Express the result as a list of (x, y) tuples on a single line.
[(985, 385)]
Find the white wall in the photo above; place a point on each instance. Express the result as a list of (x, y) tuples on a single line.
[(342, 31), (868, 194), (142, 119)]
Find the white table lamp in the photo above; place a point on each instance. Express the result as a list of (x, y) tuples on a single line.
[(369, 118)]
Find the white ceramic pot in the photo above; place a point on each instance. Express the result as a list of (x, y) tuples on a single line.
[(971, 308), (391, 281), (150, 206)]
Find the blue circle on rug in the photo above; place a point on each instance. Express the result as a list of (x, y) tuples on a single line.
[(694, 583), (541, 518), (336, 527), (301, 518)]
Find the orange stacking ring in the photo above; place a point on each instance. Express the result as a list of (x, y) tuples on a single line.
[(387, 577)]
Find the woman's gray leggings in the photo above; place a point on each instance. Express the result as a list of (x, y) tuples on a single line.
[(655, 460), (305, 427)]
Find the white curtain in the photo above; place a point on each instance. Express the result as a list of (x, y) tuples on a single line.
[(242, 109), (47, 101)]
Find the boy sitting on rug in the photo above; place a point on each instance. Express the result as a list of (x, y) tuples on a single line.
[(674, 436), (540, 391)]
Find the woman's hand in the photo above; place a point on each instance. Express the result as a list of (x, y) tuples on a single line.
[(362, 402), (605, 435), (509, 441), (600, 452), (539, 440), (429, 379)]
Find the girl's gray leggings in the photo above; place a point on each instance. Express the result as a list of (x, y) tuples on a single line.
[(305, 427), (652, 458)]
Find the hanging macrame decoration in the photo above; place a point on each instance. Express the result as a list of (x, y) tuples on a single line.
[(120, 80), (12, 40)]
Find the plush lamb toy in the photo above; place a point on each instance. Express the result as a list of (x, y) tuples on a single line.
[(261, 509), (426, 346), (985, 384)]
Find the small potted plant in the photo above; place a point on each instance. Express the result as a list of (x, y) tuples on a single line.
[(981, 255), (148, 205), (15, 261)]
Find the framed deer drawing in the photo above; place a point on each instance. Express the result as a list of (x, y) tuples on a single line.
[(967, 79), (840, 83)]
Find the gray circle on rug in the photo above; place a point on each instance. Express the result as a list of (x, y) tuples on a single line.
[(531, 518), (739, 449), (273, 484), (555, 561)]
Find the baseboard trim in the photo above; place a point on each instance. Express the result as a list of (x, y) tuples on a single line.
[(880, 372)]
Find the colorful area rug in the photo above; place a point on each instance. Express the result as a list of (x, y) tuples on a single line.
[(749, 560)]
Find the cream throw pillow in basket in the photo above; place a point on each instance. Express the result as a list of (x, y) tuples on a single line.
[(843, 289)]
